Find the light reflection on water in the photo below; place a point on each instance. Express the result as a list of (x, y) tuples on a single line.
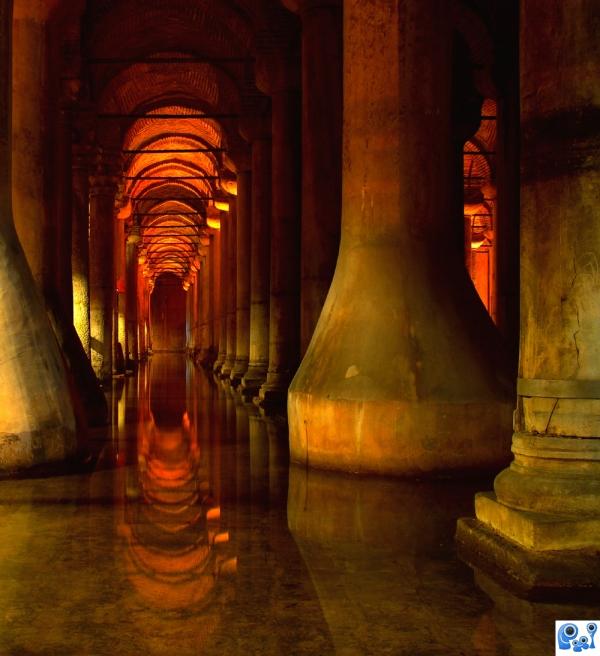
[(194, 536)]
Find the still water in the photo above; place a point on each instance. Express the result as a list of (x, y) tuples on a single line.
[(191, 534)]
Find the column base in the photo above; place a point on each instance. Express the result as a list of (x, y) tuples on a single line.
[(253, 379), (238, 371), (25, 450), (227, 367), (218, 364), (570, 574), (272, 396)]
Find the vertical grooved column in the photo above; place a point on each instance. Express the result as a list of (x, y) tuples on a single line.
[(103, 189), (36, 414), (545, 509), (243, 221), (260, 256)]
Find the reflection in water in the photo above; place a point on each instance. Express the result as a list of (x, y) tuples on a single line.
[(381, 557), (193, 536), (177, 555)]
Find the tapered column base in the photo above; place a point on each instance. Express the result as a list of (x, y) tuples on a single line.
[(570, 574)]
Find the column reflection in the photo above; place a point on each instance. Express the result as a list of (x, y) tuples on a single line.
[(177, 553)]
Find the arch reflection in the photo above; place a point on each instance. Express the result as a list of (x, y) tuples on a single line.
[(177, 553)]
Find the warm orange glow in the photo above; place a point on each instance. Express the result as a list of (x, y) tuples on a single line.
[(222, 205), (480, 209)]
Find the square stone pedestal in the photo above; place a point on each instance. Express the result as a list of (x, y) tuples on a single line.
[(537, 556)]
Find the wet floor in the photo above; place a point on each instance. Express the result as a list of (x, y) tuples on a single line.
[(192, 535)]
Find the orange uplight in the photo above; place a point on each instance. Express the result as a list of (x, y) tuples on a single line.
[(222, 205)]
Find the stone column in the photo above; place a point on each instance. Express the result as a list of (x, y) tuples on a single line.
[(540, 529), (36, 416), (283, 85), (243, 221), (400, 376), (103, 191), (131, 309), (260, 256), (64, 216), (321, 155), (120, 324), (231, 298), (80, 256), (223, 292), (214, 296)]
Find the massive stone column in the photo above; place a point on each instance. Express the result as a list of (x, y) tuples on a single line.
[(284, 311), (103, 190), (120, 322), (80, 257), (540, 529), (260, 255), (242, 251), (400, 376), (36, 416), (321, 155), (131, 310), (231, 297), (223, 292)]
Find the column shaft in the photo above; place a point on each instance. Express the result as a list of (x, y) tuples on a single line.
[(80, 257), (243, 227), (284, 315), (399, 377), (36, 415), (131, 310), (223, 291), (102, 273), (321, 156)]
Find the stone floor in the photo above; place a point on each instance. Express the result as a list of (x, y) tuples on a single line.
[(190, 534)]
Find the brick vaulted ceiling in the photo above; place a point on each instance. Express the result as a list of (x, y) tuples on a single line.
[(179, 59)]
